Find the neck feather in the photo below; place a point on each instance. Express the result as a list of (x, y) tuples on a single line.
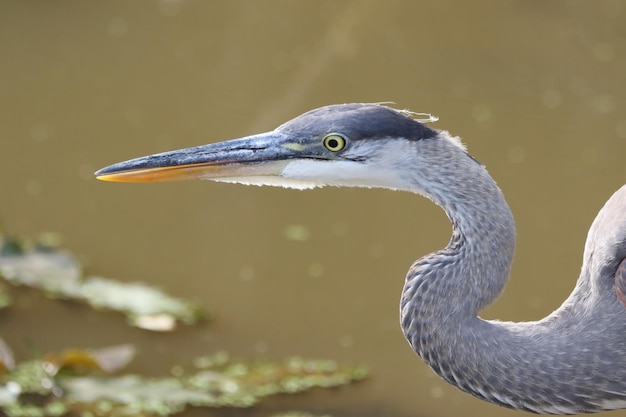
[(534, 366)]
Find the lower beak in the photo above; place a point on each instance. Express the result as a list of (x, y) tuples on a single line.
[(265, 154)]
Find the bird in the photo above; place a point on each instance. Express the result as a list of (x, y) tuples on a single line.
[(572, 361)]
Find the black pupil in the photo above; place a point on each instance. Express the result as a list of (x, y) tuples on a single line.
[(333, 143)]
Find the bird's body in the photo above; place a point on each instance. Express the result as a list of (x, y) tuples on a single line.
[(569, 362)]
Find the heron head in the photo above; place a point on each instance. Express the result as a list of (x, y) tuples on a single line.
[(344, 145)]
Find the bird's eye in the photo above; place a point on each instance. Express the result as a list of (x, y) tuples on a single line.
[(334, 142)]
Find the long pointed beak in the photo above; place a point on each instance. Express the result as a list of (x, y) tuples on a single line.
[(266, 154)]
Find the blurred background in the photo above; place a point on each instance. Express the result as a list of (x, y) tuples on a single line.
[(535, 88)]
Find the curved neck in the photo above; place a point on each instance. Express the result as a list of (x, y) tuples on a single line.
[(473, 268), (531, 366)]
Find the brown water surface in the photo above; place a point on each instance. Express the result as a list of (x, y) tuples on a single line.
[(536, 89)]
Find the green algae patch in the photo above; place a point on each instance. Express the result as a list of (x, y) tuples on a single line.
[(246, 382), (61, 384), (58, 274)]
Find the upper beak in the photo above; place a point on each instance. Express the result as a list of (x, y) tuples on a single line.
[(252, 156)]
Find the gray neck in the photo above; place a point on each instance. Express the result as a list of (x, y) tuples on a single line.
[(534, 366)]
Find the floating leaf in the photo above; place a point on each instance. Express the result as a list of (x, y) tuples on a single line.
[(59, 275), (114, 358), (143, 304), (54, 271), (109, 360), (157, 322)]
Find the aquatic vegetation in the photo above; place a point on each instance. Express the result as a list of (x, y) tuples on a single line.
[(91, 382), (82, 382), (58, 274)]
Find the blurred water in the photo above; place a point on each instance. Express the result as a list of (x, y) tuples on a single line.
[(536, 89)]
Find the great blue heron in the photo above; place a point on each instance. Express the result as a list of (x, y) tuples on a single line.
[(572, 361)]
